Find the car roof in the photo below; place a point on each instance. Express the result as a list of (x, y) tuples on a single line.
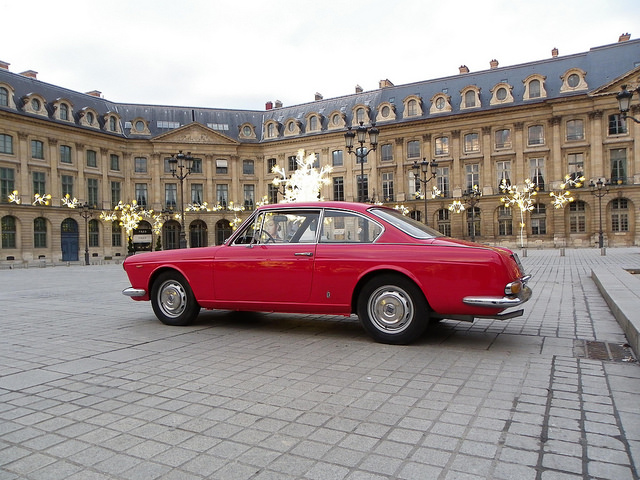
[(354, 206)]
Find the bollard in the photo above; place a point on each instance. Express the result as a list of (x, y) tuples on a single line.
[(524, 252), (562, 252), (603, 251)]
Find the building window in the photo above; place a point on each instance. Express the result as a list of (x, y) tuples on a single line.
[(472, 173), (413, 149), (222, 167), (617, 124), (94, 233), (618, 165), (362, 183), (65, 154), (535, 135), (170, 195), (40, 233), (248, 167), (115, 162), (313, 123), (503, 138), (575, 130), (115, 193), (64, 111), (91, 158), (444, 222), (360, 115), (442, 180), (337, 158), (471, 143), (534, 89), (271, 162), (503, 172), (536, 172), (505, 221), (141, 194), (249, 196), (198, 234), (112, 124), (272, 193), (338, 189), (577, 217), (116, 234), (4, 97), (140, 164), (222, 194), (387, 187), (469, 99), (6, 144), (539, 219), (67, 185), (37, 149), (386, 152), (619, 215), (473, 222), (7, 182), (92, 192), (196, 193), (8, 226), (270, 131), (412, 108), (575, 165), (39, 183), (442, 146), (196, 165)]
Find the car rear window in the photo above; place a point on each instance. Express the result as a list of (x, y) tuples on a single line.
[(406, 224)]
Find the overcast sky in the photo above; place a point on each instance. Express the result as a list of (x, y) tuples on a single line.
[(241, 54)]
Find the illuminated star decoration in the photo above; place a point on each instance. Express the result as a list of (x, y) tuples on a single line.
[(522, 198), (67, 201), (305, 183), (14, 197), (197, 207), (402, 209), (235, 208), (41, 199), (456, 206), (563, 197)]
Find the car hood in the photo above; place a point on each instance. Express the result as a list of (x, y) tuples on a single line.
[(173, 255)]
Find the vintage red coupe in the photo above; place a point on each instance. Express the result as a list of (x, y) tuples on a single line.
[(336, 258)]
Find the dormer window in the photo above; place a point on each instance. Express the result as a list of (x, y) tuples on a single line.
[(247, 131), (360, 114), (573, 80), (470, 97), (90, 118), (440, 103), (412, 106), (112, 124), (386, 112), (64, 111), (34, 103), (139, 126), (534, 87), (501, 93), (314, 122), (292, 127)]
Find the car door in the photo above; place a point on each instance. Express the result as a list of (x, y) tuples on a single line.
[(271, 261)]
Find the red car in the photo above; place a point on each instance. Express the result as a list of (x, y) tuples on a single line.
[(336, 258)]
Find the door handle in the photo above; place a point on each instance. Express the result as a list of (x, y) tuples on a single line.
[(304, 254)]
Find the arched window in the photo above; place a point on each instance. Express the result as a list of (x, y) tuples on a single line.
[(116, 234), (198, 234), (8, 227), (412, 108), (4, 97), (534, 88), (40, 233), (360, 115), (94, 233), (112, 124), (223, 231), (171, 231), (64, 111)]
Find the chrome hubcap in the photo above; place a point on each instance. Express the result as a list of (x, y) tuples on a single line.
[(390, 309), (172, 298)]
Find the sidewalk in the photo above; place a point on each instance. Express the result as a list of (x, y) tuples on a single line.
[(93, 387)]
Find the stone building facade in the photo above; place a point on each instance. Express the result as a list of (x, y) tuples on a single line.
[(543, 121)]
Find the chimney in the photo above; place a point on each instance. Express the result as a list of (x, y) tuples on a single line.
[(464, 69), (30, 74), (358, 89), (95, 93), (4, 65), (268, 105), (493, 64), (554, 52), (385, 83), (624, 37), (318, 96), (278, 104)]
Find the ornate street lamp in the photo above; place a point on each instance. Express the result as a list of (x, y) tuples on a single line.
[(424, 167), (599, 190), (86, 212), (361, 152), (624, 102), (471, 197), (183, 163)]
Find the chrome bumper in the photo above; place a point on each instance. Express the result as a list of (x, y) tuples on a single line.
[(134, 292), (500, 302)]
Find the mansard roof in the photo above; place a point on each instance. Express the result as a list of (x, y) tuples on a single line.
[(601, 66)]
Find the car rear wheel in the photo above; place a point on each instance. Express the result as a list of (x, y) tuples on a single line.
[(393, 310), (173, 301)]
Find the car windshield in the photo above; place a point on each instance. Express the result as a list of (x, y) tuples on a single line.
[(406, 224)]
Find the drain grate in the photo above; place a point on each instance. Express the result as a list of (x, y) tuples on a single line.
[(613, 352)]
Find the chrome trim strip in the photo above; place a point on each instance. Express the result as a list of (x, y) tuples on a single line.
[(499, 302), (134, 292)]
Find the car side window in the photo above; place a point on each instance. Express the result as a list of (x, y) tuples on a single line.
[(347, 227), (281, 226)]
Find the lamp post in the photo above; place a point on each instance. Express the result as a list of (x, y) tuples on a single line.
[(177, 162), (471, 197), (624, 102), (361, 152), (599, 190), (86, 212), (424, 167)]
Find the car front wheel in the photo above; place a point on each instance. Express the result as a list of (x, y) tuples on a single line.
[(393, 310), (173, 301)]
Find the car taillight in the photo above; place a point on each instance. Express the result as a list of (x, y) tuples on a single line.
[(513, 288)]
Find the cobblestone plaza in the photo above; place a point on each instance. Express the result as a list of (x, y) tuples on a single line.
[(93, 387)]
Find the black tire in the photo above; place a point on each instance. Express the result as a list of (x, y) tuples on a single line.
[(173, 301), (393, 310)]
